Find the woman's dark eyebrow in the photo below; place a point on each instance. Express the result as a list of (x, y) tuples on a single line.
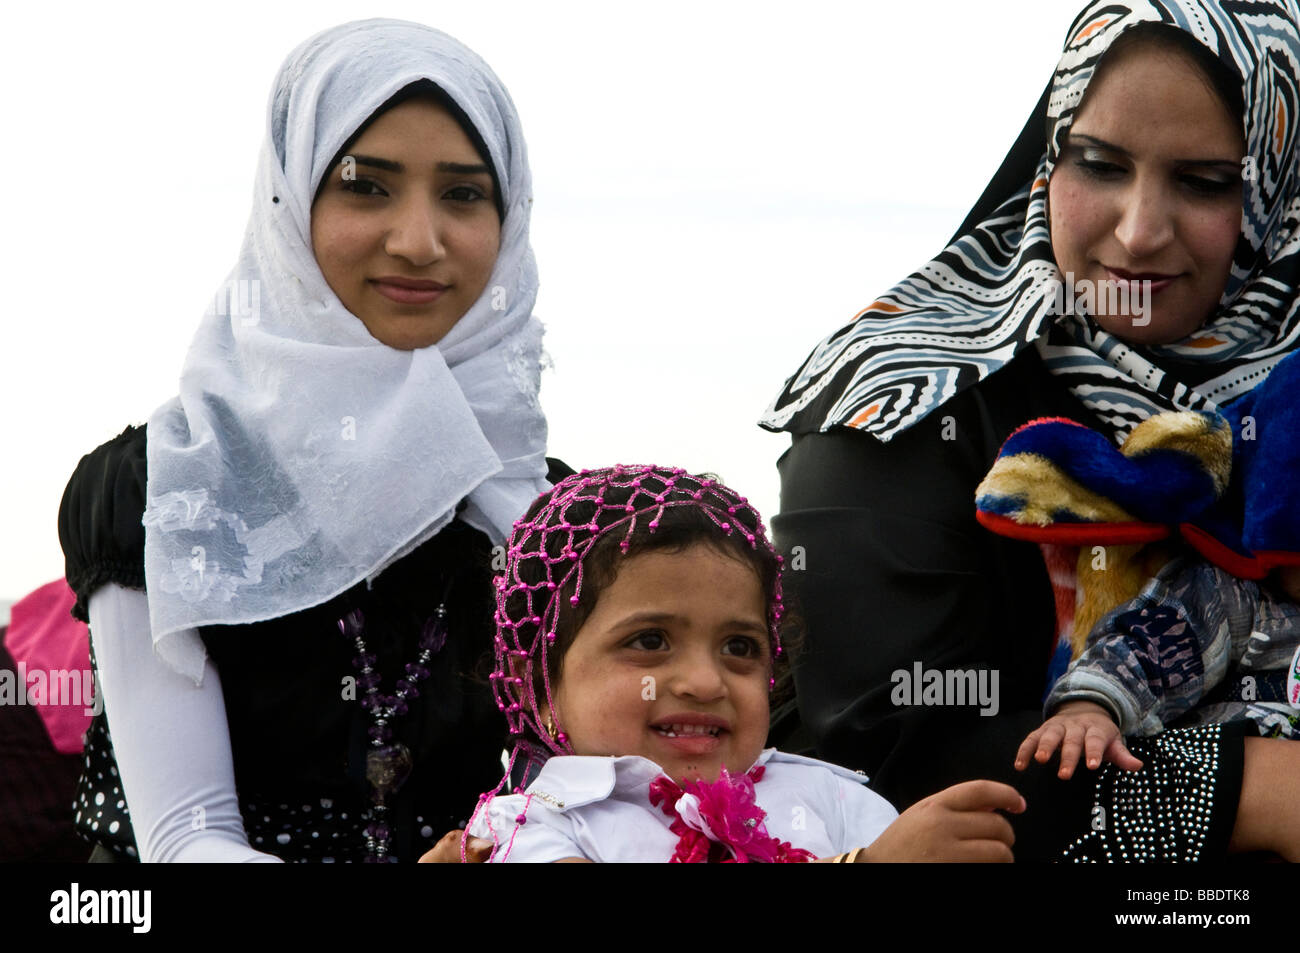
[(455, 168), (461, 168), (388, 165), (1111, 147), (1099, 143)]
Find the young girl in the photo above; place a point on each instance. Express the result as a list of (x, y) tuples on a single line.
[(638, 629)]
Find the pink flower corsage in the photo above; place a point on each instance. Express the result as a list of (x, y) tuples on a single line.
[(721, 822)]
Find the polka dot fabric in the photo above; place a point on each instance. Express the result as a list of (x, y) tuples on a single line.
[(327, 830), (101, 815)]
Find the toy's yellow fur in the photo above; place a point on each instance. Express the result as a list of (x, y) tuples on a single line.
[(1189, 433), (1113, 575), (1109, 576), (1046, 491)]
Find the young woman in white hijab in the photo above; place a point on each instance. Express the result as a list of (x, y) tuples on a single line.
[(311, 519)]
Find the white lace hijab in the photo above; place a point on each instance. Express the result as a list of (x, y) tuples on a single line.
[(302, 455)]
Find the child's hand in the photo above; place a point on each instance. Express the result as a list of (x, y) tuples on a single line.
[(959, 824), (1077, 725), (447, 850)]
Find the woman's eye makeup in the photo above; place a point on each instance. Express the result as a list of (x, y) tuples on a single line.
[(1211, 184), (1095, 163), (363, 186), (1100, 170), (460, 194), (1100, 165), (465, 193)]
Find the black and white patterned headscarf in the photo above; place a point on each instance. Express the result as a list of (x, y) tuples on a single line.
[(992, 291)]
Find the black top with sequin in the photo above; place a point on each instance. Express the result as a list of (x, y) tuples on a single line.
[(297, 729)]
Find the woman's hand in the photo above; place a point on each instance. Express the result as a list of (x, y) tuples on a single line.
[(959, 824), (1077, 726), (447, 850)]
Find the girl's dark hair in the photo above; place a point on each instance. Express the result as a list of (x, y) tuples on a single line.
[(424, 89)]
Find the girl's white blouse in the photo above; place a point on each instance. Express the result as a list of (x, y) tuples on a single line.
[(599, 808)]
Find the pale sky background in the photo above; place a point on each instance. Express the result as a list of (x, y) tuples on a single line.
[(718, 186)]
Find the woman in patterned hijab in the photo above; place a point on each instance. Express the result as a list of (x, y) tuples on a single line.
[(993, 291), (1143, 256)]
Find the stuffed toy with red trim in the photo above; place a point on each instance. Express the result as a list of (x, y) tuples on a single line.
[(1226, 484)]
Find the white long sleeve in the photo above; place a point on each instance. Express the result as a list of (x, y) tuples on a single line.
[(171, 740)]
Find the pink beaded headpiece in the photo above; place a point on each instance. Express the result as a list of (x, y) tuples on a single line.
[(544, 573)]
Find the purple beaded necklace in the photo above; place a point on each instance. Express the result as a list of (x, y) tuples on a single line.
[(388, 764)]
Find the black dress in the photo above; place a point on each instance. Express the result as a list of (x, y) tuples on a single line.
[(298, 736), (894, 570)]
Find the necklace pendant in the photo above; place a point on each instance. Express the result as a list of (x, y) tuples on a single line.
[(387, 769)]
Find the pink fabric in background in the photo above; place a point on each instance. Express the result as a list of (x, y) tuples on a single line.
[(45, 637)]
